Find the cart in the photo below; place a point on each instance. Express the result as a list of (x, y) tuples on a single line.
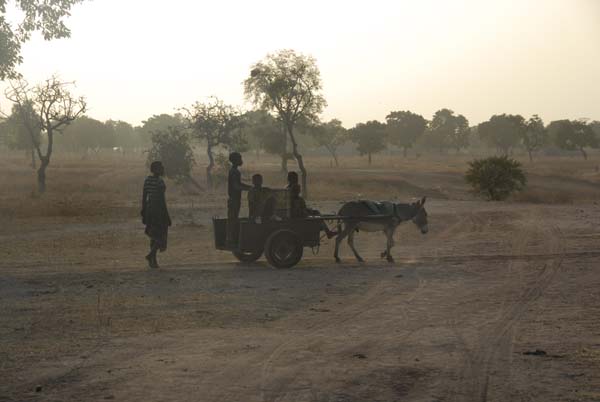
[(282, 241)]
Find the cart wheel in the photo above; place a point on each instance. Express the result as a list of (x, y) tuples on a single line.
[(247, 256), (283, 249)]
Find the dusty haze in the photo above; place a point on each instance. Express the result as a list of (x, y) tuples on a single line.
[(476, 57)]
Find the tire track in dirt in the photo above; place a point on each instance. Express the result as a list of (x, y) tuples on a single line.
[(377, 295), (494, 346)]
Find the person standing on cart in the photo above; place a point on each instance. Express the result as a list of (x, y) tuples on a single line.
[(234, 192)]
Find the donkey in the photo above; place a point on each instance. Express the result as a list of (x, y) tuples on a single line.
[(397, 213)]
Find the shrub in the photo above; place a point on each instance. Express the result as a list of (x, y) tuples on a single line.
[(172, 147), (495, 177)]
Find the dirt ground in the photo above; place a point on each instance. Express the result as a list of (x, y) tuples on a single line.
[(498, 302)]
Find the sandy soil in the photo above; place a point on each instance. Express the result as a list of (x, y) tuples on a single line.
[(499, 302)]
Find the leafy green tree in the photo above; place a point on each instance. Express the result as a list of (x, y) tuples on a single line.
[(288, 84), (172, 146), (496, 177), (55, 107), (573, 135), (447, 130), (330, 135), (23, 131), (503, 131), (535, 135), (44, 16), (404, 128), (219, 125), (370, 138)]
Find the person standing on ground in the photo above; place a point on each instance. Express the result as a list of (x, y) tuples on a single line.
[(234, 192), (154, 212)]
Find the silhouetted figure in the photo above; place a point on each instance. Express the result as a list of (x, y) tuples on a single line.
[(292, 178), (234, 191), (298, 208), (154, 212), (261, 203)]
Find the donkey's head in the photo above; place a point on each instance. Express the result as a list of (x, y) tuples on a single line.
[(420, 218)]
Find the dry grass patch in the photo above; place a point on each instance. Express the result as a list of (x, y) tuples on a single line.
[(537, 195)]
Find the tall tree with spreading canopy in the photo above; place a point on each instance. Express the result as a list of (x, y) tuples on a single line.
[(55, 107), (219, 125), (404, 128), (447, 130), (44, 16), (572, 135), (288, 84), (370, 138), (503, 131), (535, 135)]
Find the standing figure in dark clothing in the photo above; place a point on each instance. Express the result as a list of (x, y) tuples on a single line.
[(154, 212), (234, 191)]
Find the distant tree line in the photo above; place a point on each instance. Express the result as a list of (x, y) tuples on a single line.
[(286, 91), (220, 127)]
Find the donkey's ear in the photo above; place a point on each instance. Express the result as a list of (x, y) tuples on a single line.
[(423, 200)]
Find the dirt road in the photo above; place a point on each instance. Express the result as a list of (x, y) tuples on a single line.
[(499, 302)]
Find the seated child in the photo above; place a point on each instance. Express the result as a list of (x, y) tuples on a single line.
[(292, 178), (260, 200), (298, 209)]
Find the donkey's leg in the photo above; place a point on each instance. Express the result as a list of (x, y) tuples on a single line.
[(386, 251), (342, 233), (389, 234), (351, 244)]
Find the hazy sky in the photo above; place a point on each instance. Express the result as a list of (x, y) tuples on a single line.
[(136, 58)]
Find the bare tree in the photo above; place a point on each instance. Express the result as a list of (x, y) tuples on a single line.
[(219, 125), (290, 85), (330, 135), (55, 107)]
